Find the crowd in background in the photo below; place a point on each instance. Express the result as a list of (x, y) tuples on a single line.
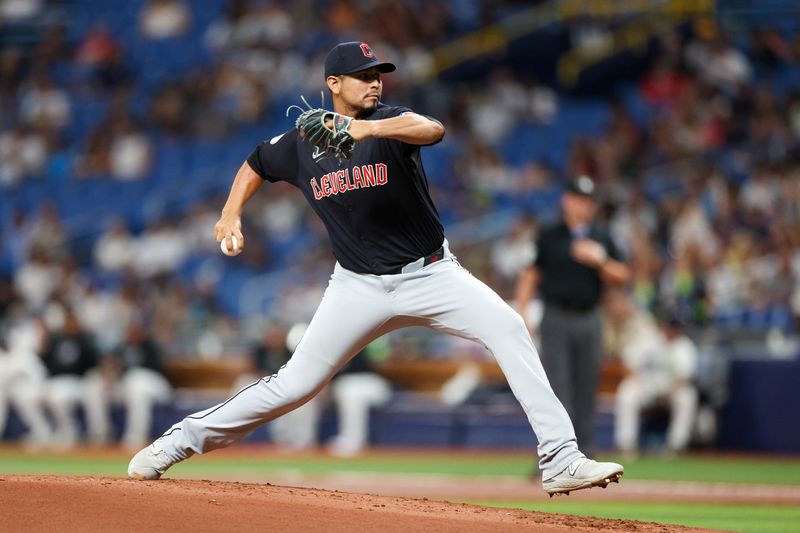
[(700, 184)]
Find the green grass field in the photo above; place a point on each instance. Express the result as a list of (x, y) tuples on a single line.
[(258, 463), (727, 517), (722, 469)]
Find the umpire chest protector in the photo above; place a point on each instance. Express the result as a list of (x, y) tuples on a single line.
[(376, 205)]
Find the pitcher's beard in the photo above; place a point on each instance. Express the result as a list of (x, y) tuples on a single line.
[(366, 109)]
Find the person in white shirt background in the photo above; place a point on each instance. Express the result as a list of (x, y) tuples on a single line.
[(661, 361)]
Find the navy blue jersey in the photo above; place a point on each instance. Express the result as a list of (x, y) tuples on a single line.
[(375, 205)]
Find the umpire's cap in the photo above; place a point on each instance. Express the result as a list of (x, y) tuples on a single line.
[(346, 58), (583, 186)]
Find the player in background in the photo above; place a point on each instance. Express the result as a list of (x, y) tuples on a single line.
[(394, 269)]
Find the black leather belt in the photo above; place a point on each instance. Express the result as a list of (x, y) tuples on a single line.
[(422, 262)]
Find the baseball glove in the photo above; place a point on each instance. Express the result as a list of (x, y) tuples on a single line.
[(326, 130)]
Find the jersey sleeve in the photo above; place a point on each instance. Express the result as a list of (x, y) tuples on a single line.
[(399, 111), (276, 159)]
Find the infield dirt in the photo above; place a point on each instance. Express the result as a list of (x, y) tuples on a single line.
[(72, 504)]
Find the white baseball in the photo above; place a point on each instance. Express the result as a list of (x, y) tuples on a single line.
[(235, 245)]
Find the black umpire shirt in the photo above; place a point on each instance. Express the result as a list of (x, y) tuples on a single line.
[(564, 281), (375, 205)]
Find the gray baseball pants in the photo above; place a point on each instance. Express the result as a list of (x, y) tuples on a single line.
[(572, 351), (358, 308)]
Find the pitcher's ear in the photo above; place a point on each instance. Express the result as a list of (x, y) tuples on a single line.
[(334, 84)]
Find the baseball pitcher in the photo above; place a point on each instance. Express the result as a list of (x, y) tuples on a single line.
[(359, 168)]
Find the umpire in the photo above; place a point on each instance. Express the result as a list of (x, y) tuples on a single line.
[(575, 259)]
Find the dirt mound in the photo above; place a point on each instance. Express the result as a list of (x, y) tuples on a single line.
[(68, 504)]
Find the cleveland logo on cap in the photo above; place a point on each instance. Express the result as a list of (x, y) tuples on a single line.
[(353, 56)]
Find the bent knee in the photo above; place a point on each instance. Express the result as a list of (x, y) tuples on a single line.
[(504, 324), (301, 382)]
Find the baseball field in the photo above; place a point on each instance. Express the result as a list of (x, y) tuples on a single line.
[(391, 490)]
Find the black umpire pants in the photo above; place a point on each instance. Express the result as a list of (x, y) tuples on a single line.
[(572, 352)]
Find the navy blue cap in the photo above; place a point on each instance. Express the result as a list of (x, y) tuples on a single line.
[(346, 58)]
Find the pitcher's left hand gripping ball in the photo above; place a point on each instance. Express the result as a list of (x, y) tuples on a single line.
[(327, 131)]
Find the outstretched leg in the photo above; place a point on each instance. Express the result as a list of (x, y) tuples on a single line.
[(354, 311), (455, 302)]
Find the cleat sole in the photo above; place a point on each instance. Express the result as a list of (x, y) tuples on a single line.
[(602, 483)]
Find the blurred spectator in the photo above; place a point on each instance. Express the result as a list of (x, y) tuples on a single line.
[(769, 49), (296, 429), (13, 69), (169, 109), (267, 25), (132, 377), (131, 152), (164, 19), (239, 96), (583, 159), (484, 170), (198, 227), (462, 385), (97, 47), (47, 233), (36, 280), (634, 218), (220, 36), (543, 102), (718, 63), (68, 355), (683, 287), (158, 250), (113, 251), (8, 299), (20, 10), (94, 161), (492, 115), (355, 390), (661, 363), (43, 104), (23, 153), (100, 57), (22, 377), (298, 301), (515, 251), (114, 73), (692, 231), (664, 86), (534, 178), (279, 214), (760, 193), (106, 315)]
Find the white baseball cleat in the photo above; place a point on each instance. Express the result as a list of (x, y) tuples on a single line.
[(149, 463), (583, 473)]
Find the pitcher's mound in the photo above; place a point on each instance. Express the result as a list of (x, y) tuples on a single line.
[(68, 504)]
